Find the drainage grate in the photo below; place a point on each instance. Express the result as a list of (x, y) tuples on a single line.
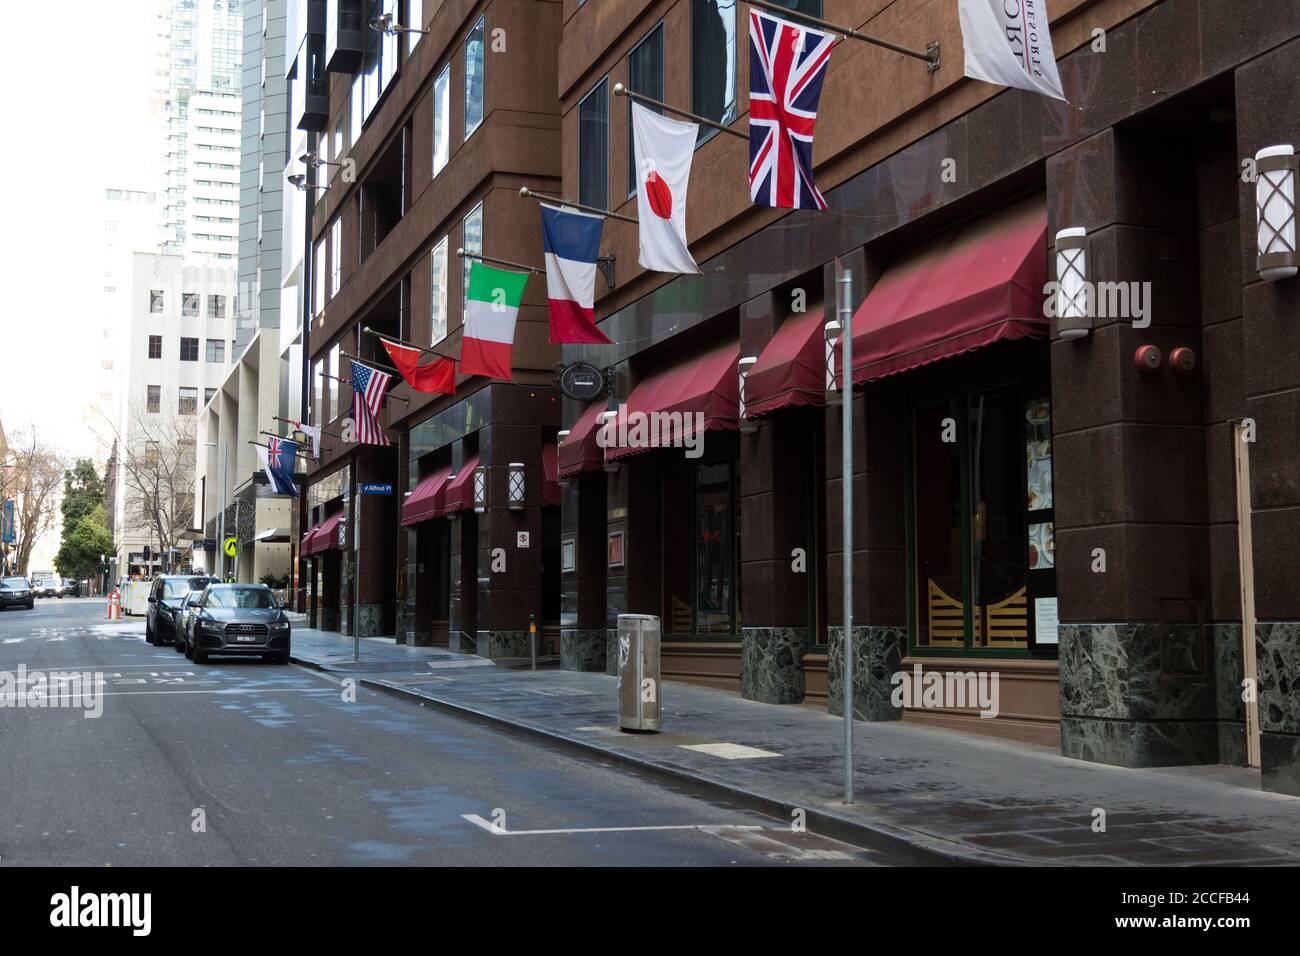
[(451, 665)]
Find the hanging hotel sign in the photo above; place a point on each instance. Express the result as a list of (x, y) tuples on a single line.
[(581, 381)]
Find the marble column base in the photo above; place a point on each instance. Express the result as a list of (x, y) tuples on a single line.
[(1139, 695), (877, 657), (419, 638), (328, 618), (458, 642), (498, 644), (371, 618), (611, 651), (1277, 656), (582, 649), (1228, 706), (771, 664)]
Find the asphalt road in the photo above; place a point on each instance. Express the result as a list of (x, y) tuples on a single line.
[(245, 763)]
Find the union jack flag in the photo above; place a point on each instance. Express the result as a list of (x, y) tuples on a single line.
[(369, 385), (787, 64)]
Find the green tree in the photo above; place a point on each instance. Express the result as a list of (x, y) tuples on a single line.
[(83, 542), (83, 490)]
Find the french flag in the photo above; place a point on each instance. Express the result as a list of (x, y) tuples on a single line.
[(571, 241)]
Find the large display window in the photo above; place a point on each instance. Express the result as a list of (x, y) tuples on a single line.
[(981, 542)]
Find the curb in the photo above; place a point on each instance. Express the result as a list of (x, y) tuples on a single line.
[(901, 844)]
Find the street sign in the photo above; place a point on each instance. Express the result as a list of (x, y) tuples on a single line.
[(231, 547), (521, 539), (376, 489)]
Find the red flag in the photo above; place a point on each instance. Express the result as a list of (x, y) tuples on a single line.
[(438, 377)]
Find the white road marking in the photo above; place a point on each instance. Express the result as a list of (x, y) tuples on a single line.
[(729, 751), (495, 830), (14, 640)]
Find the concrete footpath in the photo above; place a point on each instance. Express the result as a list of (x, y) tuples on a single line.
[(923, 795)]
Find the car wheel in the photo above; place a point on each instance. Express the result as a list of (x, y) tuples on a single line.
[(282, 657), (189, 650), (179, 645), (200, 656), (148, 634)]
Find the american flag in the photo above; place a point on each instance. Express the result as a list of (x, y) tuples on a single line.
[(787, 64), (369, 385)]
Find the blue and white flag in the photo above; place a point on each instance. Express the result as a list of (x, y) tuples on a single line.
[(277, 461)]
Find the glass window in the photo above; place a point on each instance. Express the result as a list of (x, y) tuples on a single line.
[(317, 383), (240, 597), (645, 74), (207, 395), (715, 563), (379, 56), (593, 147), (438, 292), (472, 243), (811, 7), (319, 285), (414, 20), (155, 346), (983, 528), (190, 304), (354, 105), (336, 256), (474, 78), (713, 61), (189, 350), (331, 386), (188, 400), (216, 307), (153, 399), (216, 351), (155, 301), (338, 140), (442, 119)]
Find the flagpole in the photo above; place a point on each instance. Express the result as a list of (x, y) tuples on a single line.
[(621, 90), (526, 193), (261, 445), (461, 253), (930, 56), (410, 345)]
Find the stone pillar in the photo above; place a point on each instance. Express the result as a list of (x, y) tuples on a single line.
[(1268, 114), (1129, 465), (376, 582), (632, 502), (582, 635), (774, 470), (510, 575), (879, 569)]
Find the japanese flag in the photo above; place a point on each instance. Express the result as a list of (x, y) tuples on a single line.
[(664, 149)]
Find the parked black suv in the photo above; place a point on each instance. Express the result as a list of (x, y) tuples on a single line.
[(16, 592), (166, 597), (243, 619)]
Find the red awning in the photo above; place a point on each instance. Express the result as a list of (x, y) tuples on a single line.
[(327, 536), (791, 369), (550, 479), (459, 495), (579, 451), (308, 540), (426, 500), (707, 384), (977, 285)]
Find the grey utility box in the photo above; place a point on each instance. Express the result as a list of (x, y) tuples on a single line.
[(639, 701)]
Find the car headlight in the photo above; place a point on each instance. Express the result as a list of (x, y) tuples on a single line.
[(280, 626), (210, 625)]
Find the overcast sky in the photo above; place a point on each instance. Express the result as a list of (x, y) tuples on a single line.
[(76, 121)]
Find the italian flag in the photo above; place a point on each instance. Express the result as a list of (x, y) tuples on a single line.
[(490, 313)]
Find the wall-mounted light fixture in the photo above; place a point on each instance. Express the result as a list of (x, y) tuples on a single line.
[(562, 434), (517, 485), (1277, 169), (480, 489), (832, 331), (747, 425), (1073, 315)]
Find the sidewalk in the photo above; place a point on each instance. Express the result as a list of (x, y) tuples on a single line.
[(922, 795)]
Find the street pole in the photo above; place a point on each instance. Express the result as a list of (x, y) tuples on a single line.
[(356, 584), (846, 439)]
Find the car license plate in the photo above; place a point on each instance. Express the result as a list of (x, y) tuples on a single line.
[(246, 638)]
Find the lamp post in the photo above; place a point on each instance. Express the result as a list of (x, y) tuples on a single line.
[(846, 496), (221, 515)]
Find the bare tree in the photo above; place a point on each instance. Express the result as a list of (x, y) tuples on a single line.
[(33, 478), (156, 461)]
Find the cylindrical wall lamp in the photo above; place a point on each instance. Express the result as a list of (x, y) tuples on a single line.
[(832, 331), (1277, 168), (480, 489), (562, 434), (744, 365), (517, 485), (1073, 315)]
